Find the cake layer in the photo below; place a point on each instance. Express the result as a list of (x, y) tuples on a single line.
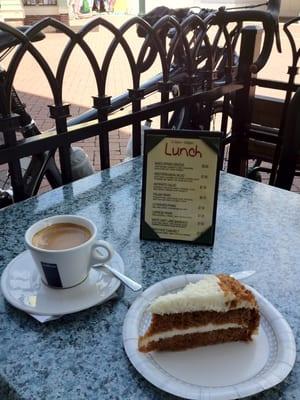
[(182, 342), (175, 332), (218, 293), (242, 316)]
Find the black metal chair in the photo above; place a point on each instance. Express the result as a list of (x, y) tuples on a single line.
[(270, 128), (289, 160)]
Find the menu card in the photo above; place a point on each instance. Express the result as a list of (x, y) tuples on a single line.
[(180, 181)]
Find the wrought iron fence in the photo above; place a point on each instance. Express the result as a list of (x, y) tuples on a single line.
[(198, 56)]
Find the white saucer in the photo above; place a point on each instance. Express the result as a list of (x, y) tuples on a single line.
[(22, 287)]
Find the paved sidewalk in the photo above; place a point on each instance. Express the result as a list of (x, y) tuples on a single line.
[(79, 84)]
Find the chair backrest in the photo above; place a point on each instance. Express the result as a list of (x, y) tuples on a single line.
[(290, 148)]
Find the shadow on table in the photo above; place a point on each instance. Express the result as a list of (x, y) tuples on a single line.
[(7, 392)]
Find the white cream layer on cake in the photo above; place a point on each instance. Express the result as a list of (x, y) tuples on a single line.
[(205, 295)]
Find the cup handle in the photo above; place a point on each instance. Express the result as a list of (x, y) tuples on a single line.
[(97, 255)]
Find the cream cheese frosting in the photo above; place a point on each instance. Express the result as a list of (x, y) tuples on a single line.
[(205, 295)]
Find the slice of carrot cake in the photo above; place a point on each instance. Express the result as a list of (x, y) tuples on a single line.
[(217, 309)]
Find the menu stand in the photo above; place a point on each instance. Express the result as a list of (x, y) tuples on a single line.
[(180, 185)]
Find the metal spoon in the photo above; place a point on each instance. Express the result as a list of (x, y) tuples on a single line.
[(127, 281)]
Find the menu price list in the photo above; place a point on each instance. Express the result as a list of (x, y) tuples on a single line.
[(180, 187)]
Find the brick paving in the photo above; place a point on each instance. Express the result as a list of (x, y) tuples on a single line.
[(79, 84)]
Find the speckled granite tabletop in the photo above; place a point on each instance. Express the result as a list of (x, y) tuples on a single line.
[(81, 356)]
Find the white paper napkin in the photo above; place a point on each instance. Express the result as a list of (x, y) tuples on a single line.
[(47, 318)]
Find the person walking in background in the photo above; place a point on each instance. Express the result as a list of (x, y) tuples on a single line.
[(102, 7), (111, 5), (85, 8), (77, 5)]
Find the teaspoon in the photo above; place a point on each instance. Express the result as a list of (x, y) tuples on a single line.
[(127, 281)]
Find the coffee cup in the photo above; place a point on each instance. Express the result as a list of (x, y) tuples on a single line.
[(64, 247)]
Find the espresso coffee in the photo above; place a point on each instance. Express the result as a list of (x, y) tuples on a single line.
[(61, 236)]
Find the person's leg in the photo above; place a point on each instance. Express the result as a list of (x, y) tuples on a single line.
[(112, 5), (95, 5), (102, 7), (77, 8)]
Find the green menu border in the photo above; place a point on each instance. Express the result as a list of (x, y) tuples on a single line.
[(155, 136)]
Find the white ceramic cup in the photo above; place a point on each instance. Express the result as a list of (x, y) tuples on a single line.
[(69, 267)]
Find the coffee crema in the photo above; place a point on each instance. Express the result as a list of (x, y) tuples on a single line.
[(61, 236)]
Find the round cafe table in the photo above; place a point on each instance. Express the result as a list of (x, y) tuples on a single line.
[(81, 355)]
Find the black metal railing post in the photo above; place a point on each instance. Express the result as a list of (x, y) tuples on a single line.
[(164, 88), (8, 126), (136, 96), (243, 101), (101, 104), (60, 114)]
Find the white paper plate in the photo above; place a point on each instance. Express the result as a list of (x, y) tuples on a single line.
[(219, 372), (22, 287)]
